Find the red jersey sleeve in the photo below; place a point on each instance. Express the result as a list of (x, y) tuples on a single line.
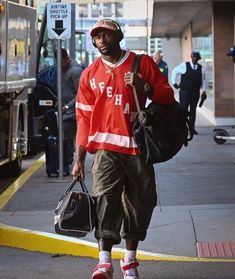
[(84, 106)]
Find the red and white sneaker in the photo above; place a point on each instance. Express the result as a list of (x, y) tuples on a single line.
[(129, 270), (103, 271)]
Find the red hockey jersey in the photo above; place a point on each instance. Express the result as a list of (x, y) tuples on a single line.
[(105, 106)]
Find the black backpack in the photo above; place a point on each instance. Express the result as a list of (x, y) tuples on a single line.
[(160, 131)]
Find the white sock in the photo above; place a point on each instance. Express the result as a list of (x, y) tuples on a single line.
[(104, 257), (130, 256)]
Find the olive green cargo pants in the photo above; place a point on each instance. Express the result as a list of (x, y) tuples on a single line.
[(124, 186)]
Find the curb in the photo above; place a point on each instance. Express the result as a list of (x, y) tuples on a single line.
[(57, 244)]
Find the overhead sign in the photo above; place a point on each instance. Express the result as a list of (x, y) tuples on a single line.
[(59, 20)]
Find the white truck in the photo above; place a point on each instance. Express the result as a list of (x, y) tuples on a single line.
[(28, 79), (17, 79)]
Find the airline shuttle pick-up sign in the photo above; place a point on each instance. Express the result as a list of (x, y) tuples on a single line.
[(59, 20)]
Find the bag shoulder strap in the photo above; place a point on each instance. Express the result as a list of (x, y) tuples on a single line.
[(135, 67), (136, 64)]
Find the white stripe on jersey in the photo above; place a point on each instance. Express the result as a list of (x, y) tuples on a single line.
[(84, 107), (122, 141)]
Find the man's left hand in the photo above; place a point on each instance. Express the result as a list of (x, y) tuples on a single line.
[(134, 80)]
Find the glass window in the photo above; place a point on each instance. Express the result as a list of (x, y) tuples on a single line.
[(46, 53), (95, 10), (107, 10), (80, 48), (118, 9), (83, 10)]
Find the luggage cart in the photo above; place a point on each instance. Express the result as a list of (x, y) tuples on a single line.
[(221, 135)]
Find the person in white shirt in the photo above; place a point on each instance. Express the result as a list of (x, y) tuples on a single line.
[(192, 81)]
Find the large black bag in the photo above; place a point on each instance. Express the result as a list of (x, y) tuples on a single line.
[(51, 144), (160, 131), (52, 157), (49, 124), (75, 214)]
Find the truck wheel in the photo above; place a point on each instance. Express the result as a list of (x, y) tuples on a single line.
[(15, 166), (12, 169)]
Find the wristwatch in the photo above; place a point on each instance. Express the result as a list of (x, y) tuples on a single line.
[(147, 88)]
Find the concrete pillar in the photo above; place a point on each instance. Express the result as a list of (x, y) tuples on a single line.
[(186, 41), (223, 35), (171, 49)]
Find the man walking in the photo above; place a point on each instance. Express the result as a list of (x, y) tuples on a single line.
[(162, 65), (123, 184), (71, 72), (192, 80)]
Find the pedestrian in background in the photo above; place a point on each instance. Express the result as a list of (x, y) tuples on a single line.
[(71, 72), (192, 81), (231, 53), (162, 65), (123, 184)]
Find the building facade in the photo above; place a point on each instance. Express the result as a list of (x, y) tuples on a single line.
[(134, 18), (207, 26)]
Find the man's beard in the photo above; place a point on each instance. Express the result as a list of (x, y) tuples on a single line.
[(111, 49)]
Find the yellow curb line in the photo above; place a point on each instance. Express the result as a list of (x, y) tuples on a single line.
[(44, 242), (19, 182), (57, 244)]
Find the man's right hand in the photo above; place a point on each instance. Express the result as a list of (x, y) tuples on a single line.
[(79, 165), (78, 170), (176, 86)]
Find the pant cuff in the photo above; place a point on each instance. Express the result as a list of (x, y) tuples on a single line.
[(134, 236), (108, 235)]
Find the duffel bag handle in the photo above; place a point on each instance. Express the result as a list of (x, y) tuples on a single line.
[(82, 183)]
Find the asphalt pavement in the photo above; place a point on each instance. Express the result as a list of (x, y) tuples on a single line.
[(191, 235), (21, 264)]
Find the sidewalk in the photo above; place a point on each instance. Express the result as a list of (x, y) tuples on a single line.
[(194, 217)]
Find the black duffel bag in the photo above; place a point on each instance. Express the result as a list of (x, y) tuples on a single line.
[(75, 214), (160, 131)]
